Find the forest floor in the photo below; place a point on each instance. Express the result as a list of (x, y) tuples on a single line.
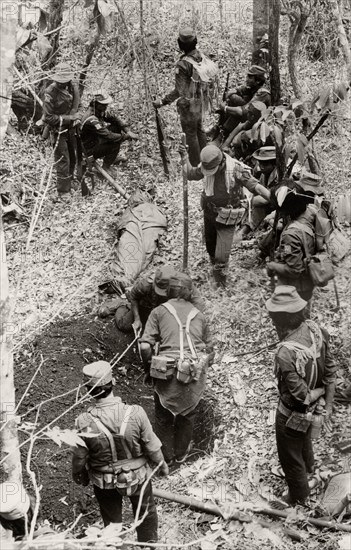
[(56, 276)]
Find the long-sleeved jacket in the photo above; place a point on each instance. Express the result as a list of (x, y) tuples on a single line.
[(183, 73), (98, 129), (59, 104), (293, 388)]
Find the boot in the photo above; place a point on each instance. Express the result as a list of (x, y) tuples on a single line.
[(219, 276)]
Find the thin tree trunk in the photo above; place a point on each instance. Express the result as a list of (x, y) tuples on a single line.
[(56, 8), (260, 22), (143, 50), (274, 20), (10, 469), (298, 20), (344, 43)]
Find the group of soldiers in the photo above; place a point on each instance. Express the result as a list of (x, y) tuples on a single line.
[(175, 342)]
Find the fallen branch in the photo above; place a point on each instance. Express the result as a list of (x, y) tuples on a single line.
[(110, 179), (27, 85), (237, 515)]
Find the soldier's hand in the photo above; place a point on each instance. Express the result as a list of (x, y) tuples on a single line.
[(137, 326), (131, 135), (222, 106), (164, 470), (157, 103), (75, 116)]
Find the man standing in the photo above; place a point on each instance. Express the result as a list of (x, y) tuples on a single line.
[(185, 350), (194, 82), (150, 292), (60, 107), (115, 460), (224, 181), (102, 134), (305, 371)]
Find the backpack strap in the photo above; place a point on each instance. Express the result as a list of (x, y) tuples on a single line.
[(111, 441), (304, 229), (190, 316), (121, 434), (89, 118)]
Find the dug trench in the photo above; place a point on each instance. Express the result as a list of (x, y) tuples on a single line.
[(64, 348)]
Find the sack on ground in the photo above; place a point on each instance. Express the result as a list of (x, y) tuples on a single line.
[(162, 367), (124, 316), (320, 268), (338, 245)]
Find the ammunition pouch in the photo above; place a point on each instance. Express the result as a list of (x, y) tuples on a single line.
[(162, 367), (300, 422), (230, 216)]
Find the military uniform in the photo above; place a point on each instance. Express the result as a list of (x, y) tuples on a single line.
[(291, 254), (59, 107), (175, 402), (244, 97), (102, 135), (305, 370), (223, 189), (134, 441)]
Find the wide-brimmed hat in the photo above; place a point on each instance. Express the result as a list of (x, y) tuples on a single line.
[(285, 299), (181, 280), (63, 73), (98, 373), (256, 70), (187, 34), (101, 96), (211, 157), (162, 277), (265, 153), (311, 182)]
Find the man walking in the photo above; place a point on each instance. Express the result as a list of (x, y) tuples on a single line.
[(224, 180), (115, 460), (194, 82), (60, 107), (305, 371), (179, 369)]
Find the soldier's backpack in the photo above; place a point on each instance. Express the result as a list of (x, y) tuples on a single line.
[(204, 82)]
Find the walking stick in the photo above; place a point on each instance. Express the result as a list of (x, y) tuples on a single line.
[(185, 211)]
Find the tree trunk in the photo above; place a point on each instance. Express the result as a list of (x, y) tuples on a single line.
[(274, 20), (344, 43), (10, 466), (298, 20), (260, 21), (54, 22)]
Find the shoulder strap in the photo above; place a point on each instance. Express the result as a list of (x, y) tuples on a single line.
[(304, 229), (191, 315), (89, 118), (109, 435)]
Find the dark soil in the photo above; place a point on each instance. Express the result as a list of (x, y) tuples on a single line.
[(65, 348)]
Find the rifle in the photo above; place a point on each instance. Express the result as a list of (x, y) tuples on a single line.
[(162, 141), (185, 213), (222, 117), (83, 164)]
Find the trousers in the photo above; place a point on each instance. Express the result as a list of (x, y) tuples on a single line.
[(110, 503), (107, 149), (218, 239), (192, 126), (295, 454), (65, 160), (174, 431)]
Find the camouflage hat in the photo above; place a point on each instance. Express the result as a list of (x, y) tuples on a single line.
[(98, 373), (256, 70), (102, 97), (161, 280), (187, 34), (211, 157), (265, 153), (285, 299), (63, 73), (181, 280)]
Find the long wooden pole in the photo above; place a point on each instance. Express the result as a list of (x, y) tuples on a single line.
[(185, 214), (110, 179), (213, 509)]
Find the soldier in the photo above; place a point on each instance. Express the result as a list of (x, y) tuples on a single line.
[(223, 190), (236, 106), (150, 292), (261, 207), (115, 460), (186, 350), (298, 221), (61, 100), (102, 134), (194, 81), (305, 371)]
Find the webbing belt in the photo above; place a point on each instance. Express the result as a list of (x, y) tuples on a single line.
[(191, 315)]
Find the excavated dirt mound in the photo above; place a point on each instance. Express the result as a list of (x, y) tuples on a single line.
[(65, 348)]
